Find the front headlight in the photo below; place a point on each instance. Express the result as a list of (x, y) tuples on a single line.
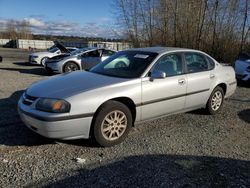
[(53, 105), (34, 56)]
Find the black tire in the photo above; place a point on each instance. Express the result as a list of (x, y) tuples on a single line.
[(42, 63), (70, 66), (211, 108), (104, 112)]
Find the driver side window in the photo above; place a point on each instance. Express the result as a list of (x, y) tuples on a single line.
[(94, 53), (170, 64)]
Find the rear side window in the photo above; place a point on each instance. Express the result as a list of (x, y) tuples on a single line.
[(196, 62), (94, 53), (210, 62)]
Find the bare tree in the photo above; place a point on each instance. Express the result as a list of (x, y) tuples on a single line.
[(244, 25), (210, 25), (24, 31), (11, 32)]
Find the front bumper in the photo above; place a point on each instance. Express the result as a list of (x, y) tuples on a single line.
[(55, 127), (244, 77), (33, 60), (52, 67)]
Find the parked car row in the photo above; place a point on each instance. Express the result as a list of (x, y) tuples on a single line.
[(81, 59), (61, 59), (39, 58), (130, 86)]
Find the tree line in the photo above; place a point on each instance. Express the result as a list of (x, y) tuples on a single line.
[(15, 30), (218, 27)]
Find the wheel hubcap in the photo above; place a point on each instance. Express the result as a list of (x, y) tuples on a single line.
[(216, 100), (71, 68), (114, 125)]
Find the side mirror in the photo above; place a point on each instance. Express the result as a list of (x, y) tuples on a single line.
[(157, 75)]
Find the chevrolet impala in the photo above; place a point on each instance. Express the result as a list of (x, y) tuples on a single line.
[(129, 87)]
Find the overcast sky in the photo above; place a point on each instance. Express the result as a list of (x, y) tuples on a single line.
[(62, 17)]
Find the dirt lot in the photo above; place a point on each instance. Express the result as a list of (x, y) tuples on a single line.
[(185, 150)]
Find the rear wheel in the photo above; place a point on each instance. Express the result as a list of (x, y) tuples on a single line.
[(70, 66), (215, 100), (112, 124)]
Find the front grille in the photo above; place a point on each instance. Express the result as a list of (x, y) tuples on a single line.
[(28, 100)]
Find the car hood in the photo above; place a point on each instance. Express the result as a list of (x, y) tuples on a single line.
[(41, 53), (69, 84), (71, 57), (57, 57), (62, 48)]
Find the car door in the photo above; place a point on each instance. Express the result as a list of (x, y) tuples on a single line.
[(199, 79), (166, 95), (90, 59)]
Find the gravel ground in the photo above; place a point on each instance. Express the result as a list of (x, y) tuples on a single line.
[(185, 150)]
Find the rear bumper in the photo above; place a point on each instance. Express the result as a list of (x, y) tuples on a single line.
[(61, 128), (231, 87)]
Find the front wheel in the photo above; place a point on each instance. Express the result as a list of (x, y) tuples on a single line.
[(70, 66), (43, 60), (112, 124), (215, 101)]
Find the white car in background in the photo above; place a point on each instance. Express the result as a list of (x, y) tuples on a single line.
[(242, 67), (40, 57), (82, 59)]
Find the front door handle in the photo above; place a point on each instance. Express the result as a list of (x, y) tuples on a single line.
[(212, 76), (181, 81)]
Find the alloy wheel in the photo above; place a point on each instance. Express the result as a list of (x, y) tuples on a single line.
[(114, 125), (216, 100)]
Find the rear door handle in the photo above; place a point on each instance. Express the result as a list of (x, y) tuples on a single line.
[(181, 81)]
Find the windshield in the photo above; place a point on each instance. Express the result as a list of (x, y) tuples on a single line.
[(126, 64), (78, 51), (53, 50)]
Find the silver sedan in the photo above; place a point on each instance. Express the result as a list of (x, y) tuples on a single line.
[(130, 87), (84, 58)]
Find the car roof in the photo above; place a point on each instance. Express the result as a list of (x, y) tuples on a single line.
[(161, 50), (88, 49)]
